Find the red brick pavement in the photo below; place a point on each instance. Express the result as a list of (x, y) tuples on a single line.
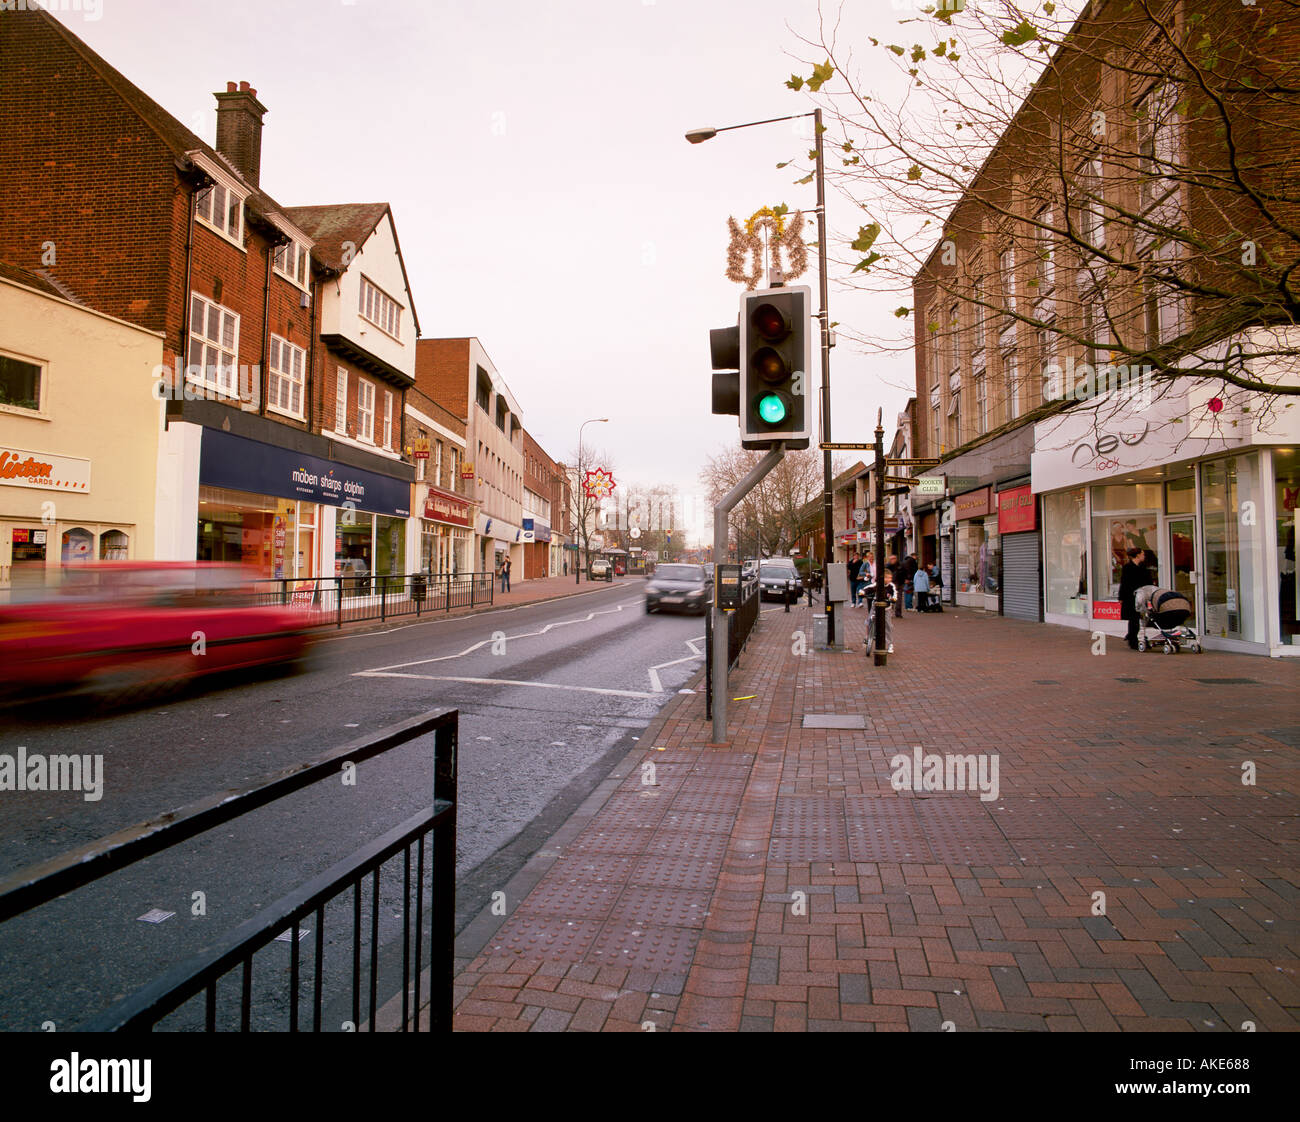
[(1124, 878)]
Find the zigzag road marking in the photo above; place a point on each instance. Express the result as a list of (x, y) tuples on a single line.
[(502, 682)]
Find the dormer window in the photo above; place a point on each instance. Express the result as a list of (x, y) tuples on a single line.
[(223, 211), (291, 262), (380, 309)]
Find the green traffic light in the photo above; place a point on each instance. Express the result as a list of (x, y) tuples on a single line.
[(771, 409)]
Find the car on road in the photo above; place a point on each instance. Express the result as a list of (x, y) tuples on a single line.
[(134, 630), (682, 588), (777, 574), (601, 569)]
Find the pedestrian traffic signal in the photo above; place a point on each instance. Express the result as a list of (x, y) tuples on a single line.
[(774, 356)]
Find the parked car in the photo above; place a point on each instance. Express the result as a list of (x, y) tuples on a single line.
[(684, 588), (138, 629), (775, 576), (601, 569)]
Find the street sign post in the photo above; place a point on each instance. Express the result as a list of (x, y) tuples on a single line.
[(914, 461), (828, 446), (905, 480)]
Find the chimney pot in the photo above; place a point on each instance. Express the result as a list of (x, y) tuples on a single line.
[(230, 87), (243, 86)]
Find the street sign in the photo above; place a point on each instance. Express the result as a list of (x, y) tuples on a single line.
[(905, 480), (827, 446), (929, 485), (910, 462)]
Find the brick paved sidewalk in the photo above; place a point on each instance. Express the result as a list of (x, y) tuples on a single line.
[(781, 882)]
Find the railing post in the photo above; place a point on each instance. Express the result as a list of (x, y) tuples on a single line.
[(471, 588), (339, 597), (442, 923), (448, 603), (383, 597)]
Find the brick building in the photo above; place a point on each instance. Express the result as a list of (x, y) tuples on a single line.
[(444, 500), (142, 220), (543, 498), (459, 374), (1093, 363)]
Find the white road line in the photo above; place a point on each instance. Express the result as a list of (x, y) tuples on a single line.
[(501, 682), (654, 676), (485, 642)]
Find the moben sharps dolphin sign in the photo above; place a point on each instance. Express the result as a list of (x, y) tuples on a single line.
[(241, 464)]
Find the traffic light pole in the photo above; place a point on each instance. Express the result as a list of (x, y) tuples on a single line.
[(828, 498), (720, 540), (881, 606)]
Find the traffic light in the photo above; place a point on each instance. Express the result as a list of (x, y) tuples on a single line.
[(774, 356), (724, 347)]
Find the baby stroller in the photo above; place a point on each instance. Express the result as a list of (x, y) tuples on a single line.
[(869, 600), (1166, 611)]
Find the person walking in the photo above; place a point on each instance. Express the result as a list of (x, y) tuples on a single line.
[(855, 566), (1133, 576), (921, 586), (895, 570), (505, 572), (936, 588)]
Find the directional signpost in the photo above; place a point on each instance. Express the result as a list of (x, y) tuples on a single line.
[(914, 461)]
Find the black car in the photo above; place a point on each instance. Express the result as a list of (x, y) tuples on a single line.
[(684, 588), (774, 577)]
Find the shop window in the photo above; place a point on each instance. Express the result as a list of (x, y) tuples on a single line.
[(1286, 470), (113, 546), (78, 546), (1065, 550), (1231, 497)]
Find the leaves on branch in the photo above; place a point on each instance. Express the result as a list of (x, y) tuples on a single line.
[(795, 82), (866, 263), (914, 172), (806, 179), (821, 75), (918, 52), (902, 313), (867, 236), (899, 51), (1018, 36)]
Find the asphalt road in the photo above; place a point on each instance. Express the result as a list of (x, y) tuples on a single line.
[(549, 696)]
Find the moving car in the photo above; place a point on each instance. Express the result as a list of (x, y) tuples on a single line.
[(775, 576), (139, 629), (601, 569), (685, 588)]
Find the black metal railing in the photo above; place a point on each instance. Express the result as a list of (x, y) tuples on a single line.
[(199, 975), (740, 625), (350, 598)]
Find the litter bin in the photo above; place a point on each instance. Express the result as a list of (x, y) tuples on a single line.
[(819, 631), (417, 588)]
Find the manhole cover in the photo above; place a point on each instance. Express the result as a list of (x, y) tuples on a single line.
[(833, 721)]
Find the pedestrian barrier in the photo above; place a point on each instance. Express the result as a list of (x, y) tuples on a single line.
[(199, 975), (350, 598), (740, 625)]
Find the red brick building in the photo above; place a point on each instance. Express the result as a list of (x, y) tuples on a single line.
[(142, 219)]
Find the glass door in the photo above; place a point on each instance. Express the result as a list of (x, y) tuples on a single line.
[(1180, 560)]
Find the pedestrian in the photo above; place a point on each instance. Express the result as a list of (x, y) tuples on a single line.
[(894, 569), (1133, 576), (505, 574), (500, 575), (855, 566), (936, 588), (566, 566), (921, 586), (891, 602)]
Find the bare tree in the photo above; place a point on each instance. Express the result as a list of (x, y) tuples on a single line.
[(770, 515), (587, 509), (1118, 191)]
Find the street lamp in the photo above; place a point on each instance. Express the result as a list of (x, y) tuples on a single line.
[(577, 568), (698, 136)]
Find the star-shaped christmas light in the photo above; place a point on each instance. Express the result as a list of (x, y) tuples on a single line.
[(598, 484)]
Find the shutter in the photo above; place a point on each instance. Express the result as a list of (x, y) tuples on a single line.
[(1020, 576)]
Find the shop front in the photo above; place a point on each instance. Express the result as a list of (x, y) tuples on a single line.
[(537, 548), (978, 555), (497, 540), (446, 533), (287, 515), (1212, 507), (1017, 528)]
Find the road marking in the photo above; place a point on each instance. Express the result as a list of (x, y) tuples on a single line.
[(655, 683), (487, 642), (500, 682)]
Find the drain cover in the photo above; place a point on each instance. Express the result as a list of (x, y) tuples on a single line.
[(1046, 682), (1130, 679), (1227, 681), (833, 721)]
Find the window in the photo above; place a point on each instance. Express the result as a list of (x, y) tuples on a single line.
[(380, 309), (954, 419), (388, 419), (20, 383), (223, 211), (1011, 367), (981, 403), (1045, 276), (1007, 276), (284, 385), (483, 392), (341, 402), (291, 263), (1159, 147), (1047, 354), (1089, 204), (214, 345), (502, 413), (365, 410)]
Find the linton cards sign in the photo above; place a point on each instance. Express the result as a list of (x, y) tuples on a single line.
[(46, 472)]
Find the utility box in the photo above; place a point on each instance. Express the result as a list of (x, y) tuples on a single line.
[(819, 632), (837, 582)]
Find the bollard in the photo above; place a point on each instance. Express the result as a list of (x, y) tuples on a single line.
[(787, 596)]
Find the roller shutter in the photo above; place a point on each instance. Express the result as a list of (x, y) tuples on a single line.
[(1020, 576)]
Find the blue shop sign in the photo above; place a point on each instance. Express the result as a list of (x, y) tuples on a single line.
[(241, 464)]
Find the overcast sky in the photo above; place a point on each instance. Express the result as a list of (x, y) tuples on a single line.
[(546, 201)]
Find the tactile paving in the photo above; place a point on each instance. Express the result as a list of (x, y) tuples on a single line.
[(698, 822), (636, 808), (573, 901), (707, 802), (667, 843), (586, 868), (603, 839), (799, 850), (543, 938), (886, 846), (668, 950), (695, 873), (661, 907)]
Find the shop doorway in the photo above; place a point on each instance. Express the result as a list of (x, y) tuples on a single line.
[(1180, 561)]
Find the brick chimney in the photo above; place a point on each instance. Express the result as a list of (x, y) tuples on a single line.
[(239, 129)]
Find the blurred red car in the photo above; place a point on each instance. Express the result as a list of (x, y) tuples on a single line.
[(145, 626)]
